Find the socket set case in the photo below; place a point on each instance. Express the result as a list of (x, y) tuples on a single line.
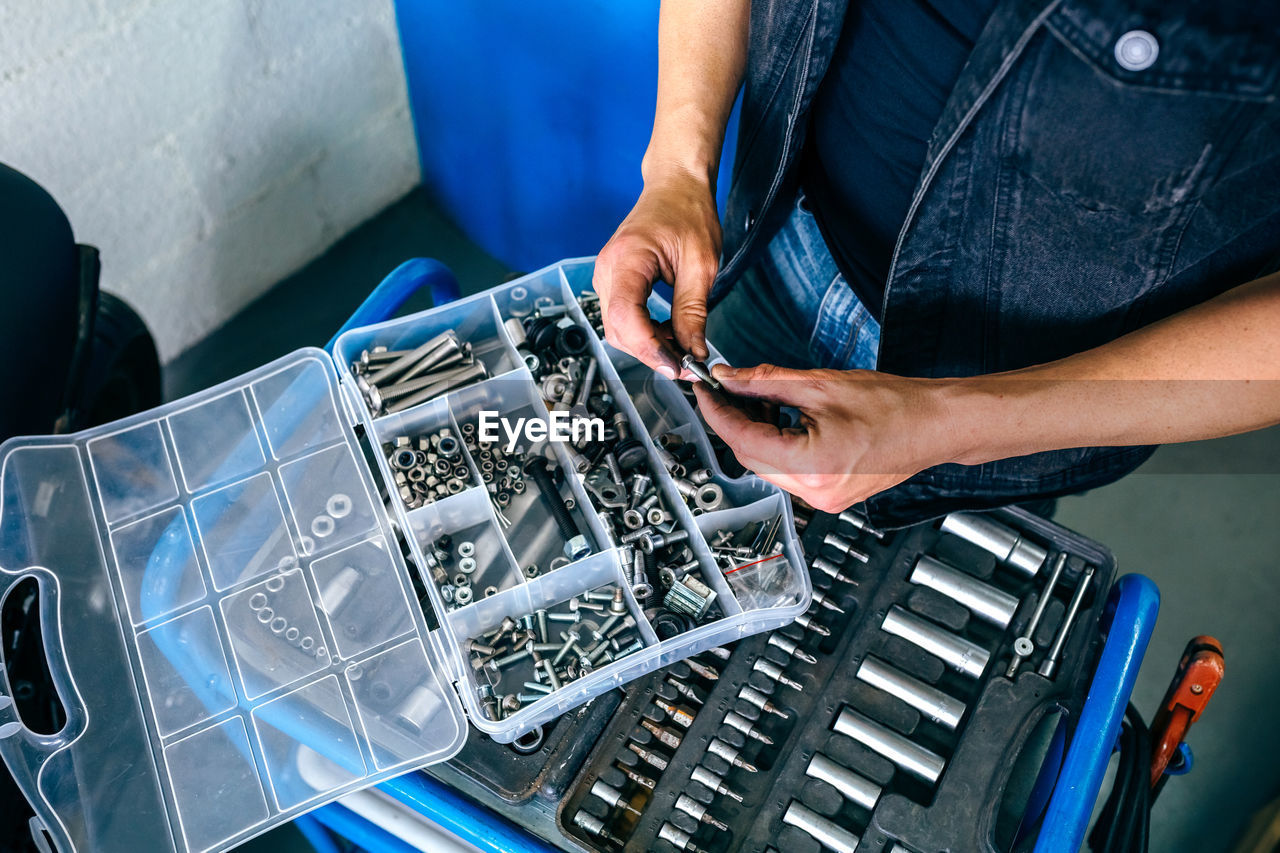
[(239, 610), (771, 745)]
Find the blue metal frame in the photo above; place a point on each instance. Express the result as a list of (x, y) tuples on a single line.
[(1128, 621)]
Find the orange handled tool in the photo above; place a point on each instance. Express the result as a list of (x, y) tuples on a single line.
[(1199, 673)]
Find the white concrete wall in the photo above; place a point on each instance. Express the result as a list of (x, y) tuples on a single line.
[(207, 147)]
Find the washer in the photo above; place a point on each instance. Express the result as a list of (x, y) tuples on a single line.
[(338, 505)]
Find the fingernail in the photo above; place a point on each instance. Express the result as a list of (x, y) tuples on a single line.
[(666, 371), (722, 371)]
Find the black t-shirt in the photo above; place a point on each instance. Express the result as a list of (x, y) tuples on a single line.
[(892, 72)]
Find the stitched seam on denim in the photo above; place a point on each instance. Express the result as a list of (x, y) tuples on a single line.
[(817, 338), (786, 146), (773, 96)]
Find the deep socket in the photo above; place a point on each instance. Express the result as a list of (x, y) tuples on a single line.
[(823, 830), (852, 786), (925, 698), (963, 656), (983, 600), (1005, 544), (908, 755)]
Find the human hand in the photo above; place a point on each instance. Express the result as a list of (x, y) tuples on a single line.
[(673, 233), (860, 431)]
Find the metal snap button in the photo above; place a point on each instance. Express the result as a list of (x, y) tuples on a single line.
[(1137, 50)]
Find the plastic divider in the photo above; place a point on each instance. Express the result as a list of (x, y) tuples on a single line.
[(734, 520)]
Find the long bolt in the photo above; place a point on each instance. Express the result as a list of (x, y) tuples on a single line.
[(536, 468)]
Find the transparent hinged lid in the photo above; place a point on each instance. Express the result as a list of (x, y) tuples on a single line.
[(228, 618), (233, 626)]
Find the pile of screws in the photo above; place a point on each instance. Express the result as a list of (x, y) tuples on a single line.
[(521, 661), (395, 380), (428, 467)]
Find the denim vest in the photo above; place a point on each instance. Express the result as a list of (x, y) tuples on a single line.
[(1069, 196)]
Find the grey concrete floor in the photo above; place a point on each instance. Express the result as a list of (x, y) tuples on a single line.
[(1202, 520)]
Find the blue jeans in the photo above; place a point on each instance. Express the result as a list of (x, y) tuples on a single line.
[(794, 308)]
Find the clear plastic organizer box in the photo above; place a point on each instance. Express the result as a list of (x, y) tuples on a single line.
[(236, 602)]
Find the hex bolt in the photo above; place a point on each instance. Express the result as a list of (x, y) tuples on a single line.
[(651, 542), (575, 542), (625, 625), (550, 670), (570, 638), (514, 657), (635, 646), (640, 485), (700, 370)]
